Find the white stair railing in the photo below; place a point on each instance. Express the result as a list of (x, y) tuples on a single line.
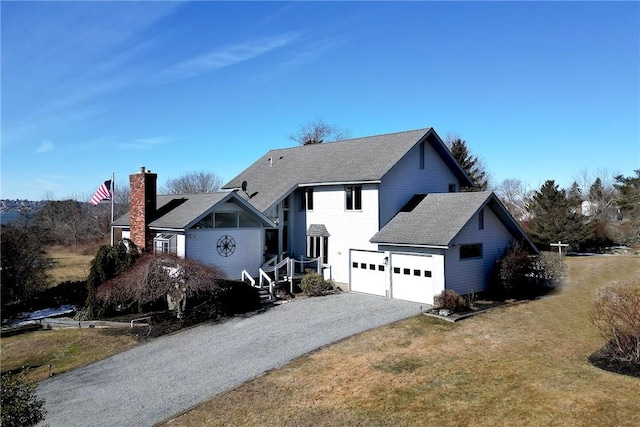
[(278, 266), (265, 277), (246, 275), (270, 264)]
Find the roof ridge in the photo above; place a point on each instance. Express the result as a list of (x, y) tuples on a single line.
[(425, 130)]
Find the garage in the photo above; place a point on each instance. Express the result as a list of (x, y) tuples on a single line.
[(412, 277), (406, 276), (368, 272)]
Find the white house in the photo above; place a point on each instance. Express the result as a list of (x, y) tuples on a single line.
[(383, 213), (359, 202)]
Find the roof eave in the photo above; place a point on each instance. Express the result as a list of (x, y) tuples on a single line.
[(411, 245)]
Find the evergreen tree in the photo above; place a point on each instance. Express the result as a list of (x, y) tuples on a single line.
[(596, 191), (109, 262), (575, 194), (629, 201), (470, 163), (555, 218)]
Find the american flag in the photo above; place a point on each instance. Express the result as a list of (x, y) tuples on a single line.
[(103, 193)]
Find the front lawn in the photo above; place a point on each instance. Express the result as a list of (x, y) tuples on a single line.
[(523, 365), (63, 349)]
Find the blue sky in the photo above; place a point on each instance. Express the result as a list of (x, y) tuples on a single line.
[(539, 90)]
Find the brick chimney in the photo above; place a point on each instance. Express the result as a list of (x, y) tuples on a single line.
[(143, 208)]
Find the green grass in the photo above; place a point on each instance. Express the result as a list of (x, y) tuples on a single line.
[(523, 365)]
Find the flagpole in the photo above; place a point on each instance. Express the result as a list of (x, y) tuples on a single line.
[(113, 196)]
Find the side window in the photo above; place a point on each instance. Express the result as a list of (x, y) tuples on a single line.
[(306, 199), (481, 219), (471, 251)]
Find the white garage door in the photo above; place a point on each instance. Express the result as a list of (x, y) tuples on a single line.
[(412, 277), (368, 272)]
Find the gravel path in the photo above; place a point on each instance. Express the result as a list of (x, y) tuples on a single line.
[(158, 379)]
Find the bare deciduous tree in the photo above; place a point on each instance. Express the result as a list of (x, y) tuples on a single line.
[(599, 192), (24, 264), (69, 222), (515, 195), (154, 276), (317, 132), (193, 183)]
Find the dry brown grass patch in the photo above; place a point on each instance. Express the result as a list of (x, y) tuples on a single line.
[(62, 349), (68, 265), (524, 365)]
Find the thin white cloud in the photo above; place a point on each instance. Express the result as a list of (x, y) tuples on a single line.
[(225, 57), (143, 143), (45, 147), (72, 54)]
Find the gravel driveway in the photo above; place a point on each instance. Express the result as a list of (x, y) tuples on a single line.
[(158, 379)]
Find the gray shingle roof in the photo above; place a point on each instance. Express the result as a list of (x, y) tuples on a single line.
[(280, 171), (178, 211), (319, 230), (438, 219)]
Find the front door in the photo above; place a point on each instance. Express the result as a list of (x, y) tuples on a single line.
[(270, 243)]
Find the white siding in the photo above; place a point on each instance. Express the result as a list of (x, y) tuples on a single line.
[(181, 245), (347, 229), (438, 256), (202, 245), (471, 275), (406, 179)]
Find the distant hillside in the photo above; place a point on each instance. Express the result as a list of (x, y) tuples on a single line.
[(26, 206)]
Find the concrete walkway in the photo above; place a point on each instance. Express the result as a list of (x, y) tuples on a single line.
[(158, 379)]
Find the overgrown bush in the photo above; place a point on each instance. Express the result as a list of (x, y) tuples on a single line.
[(313, 284), (521, 274), (616, 314), (237, 297), (109, 262), (69, 292), (451, 300), (147, 283), (20, 407)]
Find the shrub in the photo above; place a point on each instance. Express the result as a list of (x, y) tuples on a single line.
[(512, 271), (20, 405), (154, 276), (109, 262), (546, 273), (313, 284), (520, 274), (616, 314), (238, 297), (69, 292), (451, 300)]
